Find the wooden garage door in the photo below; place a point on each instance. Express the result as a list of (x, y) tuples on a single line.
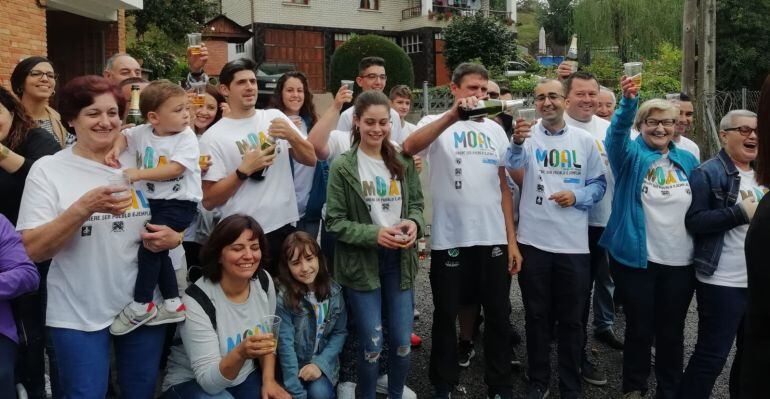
[(302, 48)]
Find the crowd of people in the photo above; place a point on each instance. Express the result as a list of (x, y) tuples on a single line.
[(236, 252)]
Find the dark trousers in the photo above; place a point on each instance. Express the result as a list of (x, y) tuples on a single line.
[(35, 343), (655, 300), (275, 241), (463, 276), (155, 268), (7, 362), (721, 312), (599, 264), (554, 288)]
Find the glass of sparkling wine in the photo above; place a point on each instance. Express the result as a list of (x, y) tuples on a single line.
[(528, 114), (194, 43), (270, 324), (634, 72)]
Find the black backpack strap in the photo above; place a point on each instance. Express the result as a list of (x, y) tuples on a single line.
[(264, 280), (195, 292)]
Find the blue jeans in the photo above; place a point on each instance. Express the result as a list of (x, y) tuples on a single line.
[(8, 356), (366, 307), (250, 388), (321, 388), (721, 312), (84, 361)]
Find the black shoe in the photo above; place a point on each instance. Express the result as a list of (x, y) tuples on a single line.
[(515, 362), (592, 375), (536, 392), (515, 338), (608, 337), (465, 353)]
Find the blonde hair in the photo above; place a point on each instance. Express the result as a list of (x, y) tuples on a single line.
[(650, 106)]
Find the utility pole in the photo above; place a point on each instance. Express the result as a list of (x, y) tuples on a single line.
[(689, 50)]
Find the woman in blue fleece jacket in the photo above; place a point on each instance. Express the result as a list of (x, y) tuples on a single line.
[(649, 246)]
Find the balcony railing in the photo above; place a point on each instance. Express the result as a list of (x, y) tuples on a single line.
[(411, 12), (445, 13)]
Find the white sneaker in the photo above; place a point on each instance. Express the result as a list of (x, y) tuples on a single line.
[(382, 388), (346, 390)]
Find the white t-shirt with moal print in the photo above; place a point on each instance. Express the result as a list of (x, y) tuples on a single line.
[(556, 163), (92, 277), (152, 151), (271, 201), (465, 184), (731, 270), (666, 197), (382, 193)]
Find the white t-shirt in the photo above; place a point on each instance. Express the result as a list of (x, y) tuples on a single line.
[(556, 163), (407, 129), (599, 214), (464, 180), (382, 193), (345, 124), (688, 145), (666, 197), (92, 277), (152, 151), (731, 270), (303, 179), (339, 142), (272, 201)]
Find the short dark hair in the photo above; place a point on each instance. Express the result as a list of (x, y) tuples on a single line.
[(21, 71), (228, 72), (581, 75), (225, 233), (505, 90), (80, 92), (366, 62), (468, 68), (763, 135), (132, 80), (400, 91), (156, 93)]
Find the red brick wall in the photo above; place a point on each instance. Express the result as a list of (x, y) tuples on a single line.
[(22, 34), (115, 40), (217, 57)]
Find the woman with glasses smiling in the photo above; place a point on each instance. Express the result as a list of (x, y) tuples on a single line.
[(34, 82), (651, 252), (725, 197)]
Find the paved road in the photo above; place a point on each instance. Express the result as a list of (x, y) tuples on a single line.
[(471, 379)]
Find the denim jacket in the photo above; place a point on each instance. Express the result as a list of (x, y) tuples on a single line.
[(296, 339), (713, 211)]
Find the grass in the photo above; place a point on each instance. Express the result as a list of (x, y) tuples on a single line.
[(528, 29)]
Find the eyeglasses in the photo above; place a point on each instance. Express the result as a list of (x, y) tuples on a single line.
[(656, 122), (493, 94), (745, 131), (39, 74), (551, 96), (373, 76)]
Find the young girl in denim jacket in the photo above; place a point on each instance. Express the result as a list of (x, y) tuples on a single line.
[(313, 326)]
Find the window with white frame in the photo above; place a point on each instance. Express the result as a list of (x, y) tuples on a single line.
[(412, 44), (369, 4)]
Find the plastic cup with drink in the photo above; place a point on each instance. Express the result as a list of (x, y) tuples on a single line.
[(198, 94), (270, 324), (634, 72), (120, 180), (348, 83), (194, 42)]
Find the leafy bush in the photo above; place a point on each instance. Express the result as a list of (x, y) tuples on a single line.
[(523, 84), (156, 58), (662, 74), (345, 60), (607, 68), (476, 36)]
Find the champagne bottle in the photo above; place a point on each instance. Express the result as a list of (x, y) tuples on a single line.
[(572, 54), (134, 114), (490, 108)]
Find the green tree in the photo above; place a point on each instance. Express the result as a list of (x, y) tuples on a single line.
[(173, 18), (636, 28), (743, 44), (476, 36), (344, 64), (556, 17)]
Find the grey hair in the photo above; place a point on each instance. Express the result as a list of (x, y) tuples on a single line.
[(611, 93), (111, 60), (727, 120)]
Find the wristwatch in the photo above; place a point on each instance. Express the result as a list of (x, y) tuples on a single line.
[(241, 175)]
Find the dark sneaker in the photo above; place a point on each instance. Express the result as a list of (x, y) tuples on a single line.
[(536, 392), (442, 392), (515, 338), (515, 362), (465, 353), (608, 337), (592, 375)]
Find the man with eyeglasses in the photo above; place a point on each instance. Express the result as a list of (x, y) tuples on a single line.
[(474, 250), (684, 123), (371, 76), (563, 177), (581, 103)]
